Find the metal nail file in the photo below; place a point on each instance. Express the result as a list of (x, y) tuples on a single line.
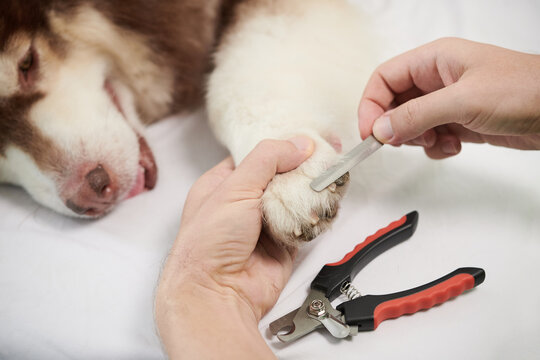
[(346, 163)]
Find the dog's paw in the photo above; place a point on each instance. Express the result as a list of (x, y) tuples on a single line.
[(292, 211)]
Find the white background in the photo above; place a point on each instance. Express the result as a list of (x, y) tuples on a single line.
[(72, 289)]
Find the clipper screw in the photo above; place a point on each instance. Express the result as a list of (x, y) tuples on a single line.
[(317, 308)]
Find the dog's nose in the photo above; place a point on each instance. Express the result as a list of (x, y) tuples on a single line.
[(95, 195), (98, 180)]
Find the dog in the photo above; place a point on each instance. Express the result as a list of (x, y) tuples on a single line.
[(79, 81)]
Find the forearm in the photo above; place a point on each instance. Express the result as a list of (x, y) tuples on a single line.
[(198, 323)]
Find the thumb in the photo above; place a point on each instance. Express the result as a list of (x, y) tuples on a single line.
[(267, 159), (418, 115)]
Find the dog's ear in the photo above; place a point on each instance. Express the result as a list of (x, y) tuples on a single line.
[(27, 16)]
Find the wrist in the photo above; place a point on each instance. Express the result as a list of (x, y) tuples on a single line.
[(186, 281), (174, 296), (195, 321)]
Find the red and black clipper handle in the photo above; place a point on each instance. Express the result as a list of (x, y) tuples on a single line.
[(332, 276), (368, 311)]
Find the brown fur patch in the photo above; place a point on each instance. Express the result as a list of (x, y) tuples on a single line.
[(30, 17), (26, 16), (16, 129), (181, 33)]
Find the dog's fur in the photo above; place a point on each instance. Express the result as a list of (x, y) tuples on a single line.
[(80, 78)]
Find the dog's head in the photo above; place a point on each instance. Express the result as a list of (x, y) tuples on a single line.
[(69, 130)]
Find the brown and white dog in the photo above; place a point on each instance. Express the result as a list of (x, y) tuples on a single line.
[(79, 79)]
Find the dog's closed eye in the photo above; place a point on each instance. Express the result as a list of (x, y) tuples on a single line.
[(27, 68)]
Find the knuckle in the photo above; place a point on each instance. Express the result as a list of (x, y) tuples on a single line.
[(408, 126), (471, 109), (447, 41), (411, 112), (274, 289), (266, 144), (267, 148)]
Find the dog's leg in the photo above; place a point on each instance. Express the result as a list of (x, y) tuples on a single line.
[(284, 69)]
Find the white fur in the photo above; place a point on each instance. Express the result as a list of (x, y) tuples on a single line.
[(77, 114), (151, 83), (288, 67), (88, 127), (17, 167), (291, 69)]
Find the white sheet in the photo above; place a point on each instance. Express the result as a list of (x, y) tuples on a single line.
[(72, 289)]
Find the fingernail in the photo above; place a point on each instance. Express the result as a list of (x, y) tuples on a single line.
[(382, 129), (419, 141), (302, 143), (449, 148)]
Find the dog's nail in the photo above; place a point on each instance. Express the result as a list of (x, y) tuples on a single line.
[(342, 180), (332, 187), (297, 232), (314, 219)]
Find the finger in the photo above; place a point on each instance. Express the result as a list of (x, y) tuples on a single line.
[(404, 77), (447, 145), (415, 117), (410, 94), (427, 139), (466, 135), (206, 185), (267, 159), (375, 101)]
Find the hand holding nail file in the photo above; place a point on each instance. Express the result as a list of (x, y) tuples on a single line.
[(346, 163)]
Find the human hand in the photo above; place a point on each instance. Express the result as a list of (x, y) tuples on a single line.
[(222, 274), (452, 91)]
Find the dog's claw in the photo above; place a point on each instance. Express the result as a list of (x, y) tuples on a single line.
[(314, 219), (297, 232), (342, 180), (332, 187)]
